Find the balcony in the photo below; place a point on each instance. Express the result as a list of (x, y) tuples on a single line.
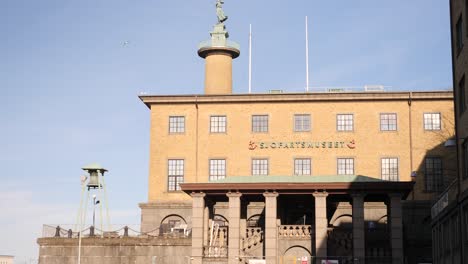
[(295, 231)]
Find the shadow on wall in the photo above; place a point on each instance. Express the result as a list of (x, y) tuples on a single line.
[(436, 171)]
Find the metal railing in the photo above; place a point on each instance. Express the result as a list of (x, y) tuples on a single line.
[(209, 43), (71, 231), (445, 198)]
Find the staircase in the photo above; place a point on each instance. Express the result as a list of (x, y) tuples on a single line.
[(252, 244)]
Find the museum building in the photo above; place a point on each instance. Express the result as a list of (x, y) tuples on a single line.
[(334, 175)]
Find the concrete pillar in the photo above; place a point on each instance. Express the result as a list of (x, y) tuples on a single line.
[(321, 224), (358, 227), (234, 227), (198, 210), (271, 228), (396, 228), (206, 226)]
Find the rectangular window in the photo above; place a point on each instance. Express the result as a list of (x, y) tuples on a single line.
[(388, 122), (301, 122), (456, 231), (344, 122), (459, 33), (461, 96), (259, 166), (217, 169), (302, 166), (464, 161), (218, 124), (260, 123), (432, 121), (345, 166), (389, 169), (465, 216), (433, 174), (176, 124), (175, 174)]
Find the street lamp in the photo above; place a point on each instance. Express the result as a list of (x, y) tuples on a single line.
[(94, 209)]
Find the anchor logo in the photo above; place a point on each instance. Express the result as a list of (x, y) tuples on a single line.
[(252, 145), (351, 144)]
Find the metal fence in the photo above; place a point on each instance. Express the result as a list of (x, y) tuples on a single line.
[(72, 231)]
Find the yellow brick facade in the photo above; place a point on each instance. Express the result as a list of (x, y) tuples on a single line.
[(410, 143)]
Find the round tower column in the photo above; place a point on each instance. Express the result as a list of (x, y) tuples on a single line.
[(218, 73), (218, 53)]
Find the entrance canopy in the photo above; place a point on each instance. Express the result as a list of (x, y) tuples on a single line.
[(332, 184)]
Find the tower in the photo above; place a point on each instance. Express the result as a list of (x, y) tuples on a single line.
[(93, 184), (218, 53)]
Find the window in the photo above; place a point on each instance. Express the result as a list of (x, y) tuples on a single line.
[(218, 124), (344, 122), (345, 166), (259, 166), (433, 174), (431, 121), (175, 174), (465, 225), (176, 124), (260, 123), (302, 166), (459, 34), (464, 157), (174, 223), (461, 96), (466, 17), (388, 122), (217, 169), (389, 169), (301, 122)]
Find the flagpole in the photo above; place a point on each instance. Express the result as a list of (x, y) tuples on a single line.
[(250, 58), (307, 54)]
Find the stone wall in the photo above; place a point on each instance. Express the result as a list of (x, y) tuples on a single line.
[(123, 250)]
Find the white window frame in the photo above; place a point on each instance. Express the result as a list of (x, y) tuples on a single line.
[(345, 122), (217, 169), (388, 122), (302, 123), (175, 174), (348, 164), (218, 124), (176, 124), (433, 174), (387, 172), (302, 166), (260, 166), (260, 123), (432, 121)]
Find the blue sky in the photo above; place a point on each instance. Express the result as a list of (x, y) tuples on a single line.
[(70, 73)]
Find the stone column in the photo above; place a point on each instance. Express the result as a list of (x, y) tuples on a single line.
[(206, 226), (396, 228), (271, 228), (234, 227), (321, 224), (358, 227), (198, 210)]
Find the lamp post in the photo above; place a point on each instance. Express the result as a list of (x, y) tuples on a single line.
[(94, 209)]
